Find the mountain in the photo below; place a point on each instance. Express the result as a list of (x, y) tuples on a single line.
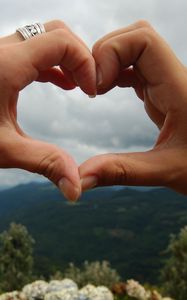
[(128, 227)]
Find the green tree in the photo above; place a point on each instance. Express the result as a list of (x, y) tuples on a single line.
[(16, 260), (174, 274), (97, 273)]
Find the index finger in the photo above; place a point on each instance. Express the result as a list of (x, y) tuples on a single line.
[(137, 45), (60, 48)]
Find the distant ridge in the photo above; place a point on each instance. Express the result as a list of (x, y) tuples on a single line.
[(129, 227)]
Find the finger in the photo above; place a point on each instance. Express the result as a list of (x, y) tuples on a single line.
[(57, 77), (126, 78), (152, 168), (58, 24), (68, 75), (42, 158), (49, 26), (141, 48), (130, 78), (58, 47), (139, 24), (78, 60), (115, 54)]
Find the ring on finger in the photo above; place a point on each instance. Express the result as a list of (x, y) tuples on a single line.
[(31, 30)]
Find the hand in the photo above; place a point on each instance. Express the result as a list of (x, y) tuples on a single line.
[(22, 62), (138, 57)]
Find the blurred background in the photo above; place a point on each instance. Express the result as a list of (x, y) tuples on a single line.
[(113, 122)]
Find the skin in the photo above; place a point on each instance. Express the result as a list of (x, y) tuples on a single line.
[(59, 57), (138, 57), (135, 56)]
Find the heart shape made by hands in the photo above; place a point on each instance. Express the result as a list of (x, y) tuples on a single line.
[(135, 56)]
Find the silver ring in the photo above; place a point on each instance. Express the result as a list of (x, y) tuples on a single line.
[(32, 30)]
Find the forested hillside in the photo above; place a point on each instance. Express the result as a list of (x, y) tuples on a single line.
[(128, 227)]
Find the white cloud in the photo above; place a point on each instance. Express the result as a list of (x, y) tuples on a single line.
[(113, 122)]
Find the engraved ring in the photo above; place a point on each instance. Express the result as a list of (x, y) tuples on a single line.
[(32, 30)]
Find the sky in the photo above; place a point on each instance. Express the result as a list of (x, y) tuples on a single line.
[(114, 122)]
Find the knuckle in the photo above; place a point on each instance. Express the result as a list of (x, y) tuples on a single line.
[(143, 24), (100, 48), (119, 172), (125, 173), (58, 24), (149, 36), (59, 32), (63, 36), (95, 47), (81, 65), (49, 164), (87, 59), (146, 29)]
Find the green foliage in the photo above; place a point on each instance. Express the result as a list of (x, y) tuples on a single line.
[(97, 273), (129, 228), (16, 261), (174, 274)]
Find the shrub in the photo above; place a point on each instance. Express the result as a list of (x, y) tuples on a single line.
[(97, 273)]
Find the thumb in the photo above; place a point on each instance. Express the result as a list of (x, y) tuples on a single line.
[(45, 159), (152, 168)]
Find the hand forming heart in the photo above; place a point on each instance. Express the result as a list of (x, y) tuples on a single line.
[(136, 57)]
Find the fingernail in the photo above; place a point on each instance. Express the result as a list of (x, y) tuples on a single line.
[(89, 182), (99, 76), (92, 96), (70, 192)]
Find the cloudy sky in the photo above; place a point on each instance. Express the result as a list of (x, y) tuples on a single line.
[(115, 122)]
